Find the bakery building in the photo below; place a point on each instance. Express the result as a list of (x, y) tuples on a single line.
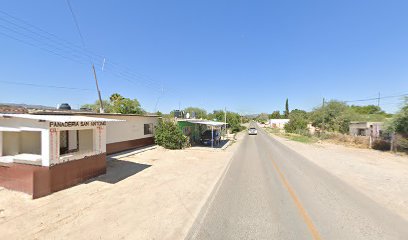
[(133, 131), (45, 152)]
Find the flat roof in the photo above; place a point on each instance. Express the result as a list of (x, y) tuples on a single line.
[(73, 112), (59, 118), (203, 122)]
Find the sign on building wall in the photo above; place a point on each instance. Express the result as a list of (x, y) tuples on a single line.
[(76, 124)]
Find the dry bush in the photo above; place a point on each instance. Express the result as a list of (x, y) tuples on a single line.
[(381, 145), (356, 141)]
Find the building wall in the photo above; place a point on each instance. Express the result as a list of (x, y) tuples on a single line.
[(1, 143), (11, 143), (85, 140), (41, 181), (190, 130), (356, 127), (278, 123), (129, 134), (73, 139), (30, 142), (131, 129)]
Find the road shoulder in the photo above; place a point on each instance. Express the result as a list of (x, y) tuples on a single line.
[(381, 176)]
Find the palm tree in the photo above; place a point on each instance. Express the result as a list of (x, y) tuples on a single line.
[(115, 97)]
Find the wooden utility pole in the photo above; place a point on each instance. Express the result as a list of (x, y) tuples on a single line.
[(379, 97), (101, 110), (225, 120), (324, 115)]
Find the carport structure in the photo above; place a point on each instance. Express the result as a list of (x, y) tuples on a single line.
[(191, 128)]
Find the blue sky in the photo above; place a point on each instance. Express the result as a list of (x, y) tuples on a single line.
[(248, 56)]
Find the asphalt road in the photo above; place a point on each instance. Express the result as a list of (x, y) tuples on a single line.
[(271, 192)]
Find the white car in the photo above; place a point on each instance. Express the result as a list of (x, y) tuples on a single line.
[(252, 131)]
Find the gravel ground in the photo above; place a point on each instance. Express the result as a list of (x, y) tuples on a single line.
[(382, 176), (156, 194)]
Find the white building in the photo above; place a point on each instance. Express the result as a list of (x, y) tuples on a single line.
[(41, 154), (277, 123), (46, 152), (373, 129), (133, 131)]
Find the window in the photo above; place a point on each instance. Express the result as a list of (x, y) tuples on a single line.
[(148, 128), (361, 132), (69, 141)]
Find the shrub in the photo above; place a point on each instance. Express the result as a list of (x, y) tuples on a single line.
[(170, 136), (381, 145), (297, 123), (237, 128)]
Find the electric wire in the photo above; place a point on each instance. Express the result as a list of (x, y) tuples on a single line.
[(45, 86), (60, 45)]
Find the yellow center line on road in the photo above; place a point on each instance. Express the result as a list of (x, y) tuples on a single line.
[(306, 218)]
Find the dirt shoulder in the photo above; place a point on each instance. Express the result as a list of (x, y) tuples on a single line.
[(156, 194), (381, 176)]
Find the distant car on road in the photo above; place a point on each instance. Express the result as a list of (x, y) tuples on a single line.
[(252, 131), (207, 136)]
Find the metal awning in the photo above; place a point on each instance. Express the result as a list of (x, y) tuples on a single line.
[(59, 118), (208, 123)]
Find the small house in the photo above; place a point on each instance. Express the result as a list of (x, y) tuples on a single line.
[(373, 129)]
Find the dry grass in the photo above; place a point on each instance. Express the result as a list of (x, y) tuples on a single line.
[(354, 141)]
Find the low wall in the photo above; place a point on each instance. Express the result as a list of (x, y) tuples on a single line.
[(41, 181), (127, 145)]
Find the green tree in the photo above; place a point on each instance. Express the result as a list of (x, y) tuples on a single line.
[(127, 106), (275, 115), (369, 109), (169, 135), (286, 112), (95, 107), (199, 112), (335, 116), (399, 123), (233, 119), (262, 118), (118, 104), (115, 97), (298, 122)]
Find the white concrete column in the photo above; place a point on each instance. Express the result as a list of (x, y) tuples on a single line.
[(50, 147), (45, 147), (99, 139), (103, 139), (1, 143)]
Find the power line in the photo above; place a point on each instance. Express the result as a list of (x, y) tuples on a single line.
[(53, 44), (372, 99), (76, 24), (45, 86), (40, 47), (60, 47)]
